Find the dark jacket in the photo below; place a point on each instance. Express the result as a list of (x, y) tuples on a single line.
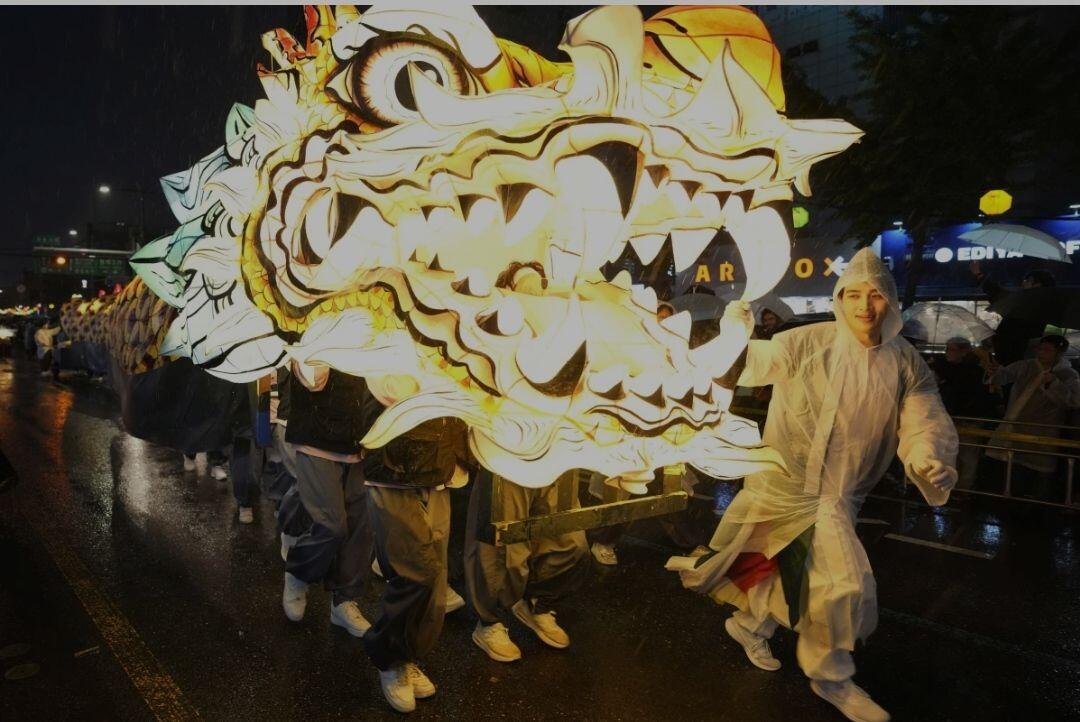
[(1013, 335), (282, 390), (962, 389), (333, 419), (423, 457)]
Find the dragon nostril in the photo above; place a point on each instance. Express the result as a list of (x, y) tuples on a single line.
[(624, 162)]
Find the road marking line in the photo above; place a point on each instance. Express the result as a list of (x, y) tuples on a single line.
[(942, 547), (157, 688)]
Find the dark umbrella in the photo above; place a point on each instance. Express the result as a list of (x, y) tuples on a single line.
[(1056, 306)]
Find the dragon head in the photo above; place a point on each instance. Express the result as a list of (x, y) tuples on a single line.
[(428, 206)]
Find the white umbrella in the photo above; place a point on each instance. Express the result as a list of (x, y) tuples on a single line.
[(1073, 337), (937, 323), (1021, 239)]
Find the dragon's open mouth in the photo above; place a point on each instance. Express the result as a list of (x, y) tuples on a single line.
[(414, 206)]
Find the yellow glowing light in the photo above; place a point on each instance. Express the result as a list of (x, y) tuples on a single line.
[(60, 261), (995, 202)]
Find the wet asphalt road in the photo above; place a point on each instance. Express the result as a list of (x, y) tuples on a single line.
[(135, 592)]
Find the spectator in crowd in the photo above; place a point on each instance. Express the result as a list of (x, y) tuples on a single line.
[(1044, 389), (768, 324), (960, 380), (46, 341), (1013, 335)]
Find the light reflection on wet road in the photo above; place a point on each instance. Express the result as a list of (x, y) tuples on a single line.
[(960, 637)]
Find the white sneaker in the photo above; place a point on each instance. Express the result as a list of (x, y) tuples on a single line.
[(189, 464), (454, 601), (349, 616), (397, 688), (495, 641), (852, 701), (287, 543), (604, 554), (756, 647), (246, 515), (544, 625), (422, 685), (217, 471), (294, 598), (377, 569)]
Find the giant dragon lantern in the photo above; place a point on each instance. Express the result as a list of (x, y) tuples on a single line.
[(423, 204)]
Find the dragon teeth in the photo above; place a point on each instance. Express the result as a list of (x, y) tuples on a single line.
[(554, 361), (563, 266), (648, 246), (689, 245), (506, 318), (644, 297), (473, 283), (607, 383), (678, 324), (622, 280), (647, 386), (765, 248), (528, 216)]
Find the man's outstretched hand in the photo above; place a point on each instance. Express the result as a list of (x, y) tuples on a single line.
[(937, 473)]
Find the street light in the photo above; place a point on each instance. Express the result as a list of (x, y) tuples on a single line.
[(72, 232), (105, 190), (60, 261), (1075, 208)]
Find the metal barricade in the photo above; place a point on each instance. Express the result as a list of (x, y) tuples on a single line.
[(1055, 447), (974, 427)]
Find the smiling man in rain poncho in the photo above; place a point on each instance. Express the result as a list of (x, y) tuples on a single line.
[(847, 396)]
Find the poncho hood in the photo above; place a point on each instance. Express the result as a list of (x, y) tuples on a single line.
[(866, 267)]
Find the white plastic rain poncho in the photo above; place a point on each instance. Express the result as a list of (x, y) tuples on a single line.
[(786, 546)]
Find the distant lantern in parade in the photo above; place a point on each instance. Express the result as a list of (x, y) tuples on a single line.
[(995, 202)]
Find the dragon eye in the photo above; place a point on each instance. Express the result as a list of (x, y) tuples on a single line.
[(378, 82)]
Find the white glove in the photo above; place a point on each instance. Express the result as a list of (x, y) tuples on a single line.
[(934, 479), (738, 321), (941, 476)]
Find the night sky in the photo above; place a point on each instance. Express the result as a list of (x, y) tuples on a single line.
[(125, 95)]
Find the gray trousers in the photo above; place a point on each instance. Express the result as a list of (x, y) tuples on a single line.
[(543, 571), (411, 529), (336, 547)]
